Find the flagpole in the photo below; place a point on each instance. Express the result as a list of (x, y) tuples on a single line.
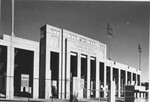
[(12, 34), (11, 50)]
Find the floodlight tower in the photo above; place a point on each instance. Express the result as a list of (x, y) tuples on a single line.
[(110, 34), (140, 51)]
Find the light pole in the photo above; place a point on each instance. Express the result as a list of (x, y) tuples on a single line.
[(12, 34), (110, 34), (140, 51)]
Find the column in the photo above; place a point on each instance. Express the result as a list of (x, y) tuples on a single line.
[(138, 96), (135, 94), (36, 75), (63, 62), (10, 72), (126, 77), (112, 92), (63, 79), (141, 95), (60, 77), (68, 76), (88, 76), (131, 78), (119, 77), (104, 80), (79, 66), (111, 72), (97, 78), (80, 91), (47, 76)]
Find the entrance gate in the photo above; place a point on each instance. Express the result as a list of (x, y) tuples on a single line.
[(23, 73)]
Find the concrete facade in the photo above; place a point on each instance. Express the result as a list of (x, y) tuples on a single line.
[(62, 56), (14, 42), (69, 44)]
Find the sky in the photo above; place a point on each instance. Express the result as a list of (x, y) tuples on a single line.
[(130, 21)]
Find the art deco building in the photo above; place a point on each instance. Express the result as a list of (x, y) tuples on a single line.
[(63, 62)]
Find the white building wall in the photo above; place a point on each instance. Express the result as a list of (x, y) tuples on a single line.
[(14, 42), (56, 41)]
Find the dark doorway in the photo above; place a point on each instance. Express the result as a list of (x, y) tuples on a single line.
[(3, 70), (93, 77), (134, 78), (101, 65), (108, 72), (84, 68), (122, 82), (116, 78), (54, 65), (138, 79), (129, 77), (84, 73), (73, 65), (23, 73), (73, 71)]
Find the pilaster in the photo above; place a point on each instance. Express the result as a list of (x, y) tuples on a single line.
[(88, 76), (47, 76), (79, 66), (80, 92), (111, 72), (131, 78), (126, 77), (97, 78), (10, 72), (119, 78), (137, 79), (60, 78), (68, 76), (141, 95), (63, 66), (105, 80), (36, 75)]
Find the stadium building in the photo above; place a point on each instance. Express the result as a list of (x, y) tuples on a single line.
[(62, 63)]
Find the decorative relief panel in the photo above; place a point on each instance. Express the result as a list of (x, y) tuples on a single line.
[(102, 50), (54, 42)]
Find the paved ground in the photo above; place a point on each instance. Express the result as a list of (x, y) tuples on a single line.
[(45, 100), (55, 100), (49, 100)]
